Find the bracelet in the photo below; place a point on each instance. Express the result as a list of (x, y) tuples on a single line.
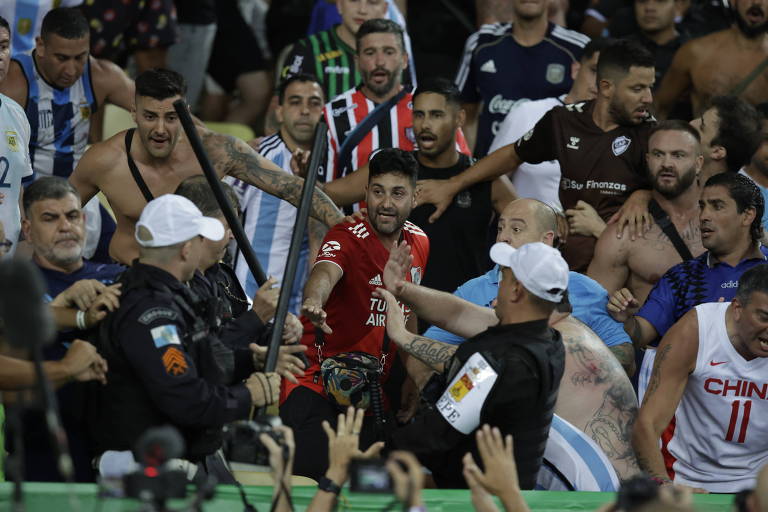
[(420, 508), (80, 320), (661, 481), (328, 485)]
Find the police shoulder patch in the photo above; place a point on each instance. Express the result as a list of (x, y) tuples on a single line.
[(174, 362), (165, 335), (462, 403), (158, 313)]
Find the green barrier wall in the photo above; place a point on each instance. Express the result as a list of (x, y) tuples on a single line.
[(40, 497)]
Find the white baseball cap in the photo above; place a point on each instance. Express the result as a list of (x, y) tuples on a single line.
[(172, 219), (540, 268)]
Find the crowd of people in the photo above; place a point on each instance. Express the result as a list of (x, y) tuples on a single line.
[(541, 269)]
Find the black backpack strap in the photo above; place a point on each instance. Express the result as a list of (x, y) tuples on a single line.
[(668, 227), (135, 170), (366, 125)]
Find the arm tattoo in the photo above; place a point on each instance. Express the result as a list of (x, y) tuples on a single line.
[(238, 160), (653, 385), (625, 354), (611, 427), (433, 353)]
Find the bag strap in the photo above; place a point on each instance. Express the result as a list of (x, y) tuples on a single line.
[(739, 88), (668, 227), (135, 170), (366, 125)]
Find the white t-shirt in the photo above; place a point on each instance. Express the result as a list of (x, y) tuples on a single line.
[(14, 165), (718, 438), (538, 181)]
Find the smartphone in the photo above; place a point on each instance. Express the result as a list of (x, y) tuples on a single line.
[(370, 476)]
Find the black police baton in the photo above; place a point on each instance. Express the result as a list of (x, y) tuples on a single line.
[(213, 180), (299, 227)]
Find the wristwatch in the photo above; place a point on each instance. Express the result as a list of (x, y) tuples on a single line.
[(328, 485)]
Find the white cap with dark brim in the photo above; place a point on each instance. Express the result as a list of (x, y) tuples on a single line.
[(172, 219), (540, 268)]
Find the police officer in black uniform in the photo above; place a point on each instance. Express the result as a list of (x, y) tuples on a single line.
[(158, 346), (507, 375), (239, 326)]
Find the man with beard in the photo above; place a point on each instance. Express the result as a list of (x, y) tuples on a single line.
[(731, 208), (599, 144), (348, 269), (730, 61), (61, 86), (381, 59), (458, 241), (757, 169), (674, 161), (268, 222), (54, 226), (504, 63), (150, 160)]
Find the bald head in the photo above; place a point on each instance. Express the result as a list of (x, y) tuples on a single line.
[(527, 220)]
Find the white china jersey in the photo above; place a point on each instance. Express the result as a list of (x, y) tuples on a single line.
[(14, 165), (718, 438)]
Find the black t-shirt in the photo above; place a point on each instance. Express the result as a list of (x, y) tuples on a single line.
[(458, 241), (529, 359), (599, 168)]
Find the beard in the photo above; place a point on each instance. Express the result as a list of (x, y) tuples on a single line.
[(389, 228), (620, 114), (386, 87), (684, 181), (751, 31)]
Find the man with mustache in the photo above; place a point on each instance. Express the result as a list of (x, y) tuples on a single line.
[(599, 144), (721, 63), (268, 222), (381, 59), (730, 212), (674, 162), (61, 86), (341, 316)]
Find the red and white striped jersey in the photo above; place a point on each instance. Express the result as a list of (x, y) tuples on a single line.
[(395, 130), (718, 438)]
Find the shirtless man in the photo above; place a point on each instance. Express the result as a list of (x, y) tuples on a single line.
[(163, 157), (718, 63), (674, 161), (595, 394)]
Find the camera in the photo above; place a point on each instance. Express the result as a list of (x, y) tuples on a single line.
[(370, 476), (242, 443), (155, 481)]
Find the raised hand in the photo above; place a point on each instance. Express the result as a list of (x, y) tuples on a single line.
[(396, 269)]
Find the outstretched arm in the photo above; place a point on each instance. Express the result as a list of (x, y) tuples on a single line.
[(117, 86), (95, 161), (438, 308), (233, 157), (319, 286), (441, 192)]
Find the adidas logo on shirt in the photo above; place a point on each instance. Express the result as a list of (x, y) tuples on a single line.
[(376, 281), (489, 66)]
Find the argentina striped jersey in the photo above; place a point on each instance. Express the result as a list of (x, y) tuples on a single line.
[(268, 224), (60, 119)]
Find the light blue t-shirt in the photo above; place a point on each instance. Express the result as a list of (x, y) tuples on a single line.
[(588, 298)]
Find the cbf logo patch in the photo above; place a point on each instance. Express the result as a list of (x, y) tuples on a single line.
[(620, 145), (12, 138), (555, 73)]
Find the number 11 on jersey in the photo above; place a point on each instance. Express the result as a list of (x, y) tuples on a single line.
[(735, 410)]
